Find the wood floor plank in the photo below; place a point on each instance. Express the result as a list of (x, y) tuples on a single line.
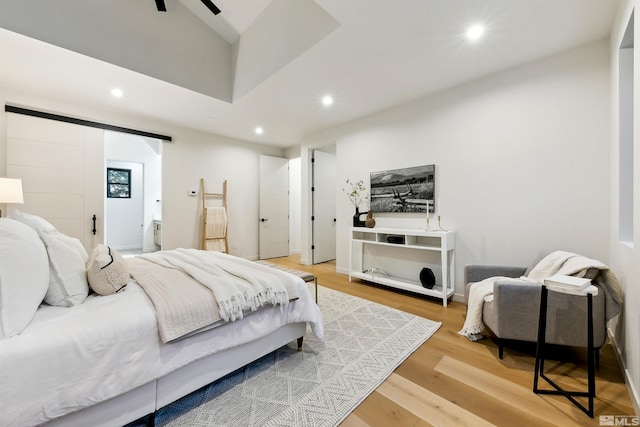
[(353, 420), (378, 411), (543, 407), (427, 405)]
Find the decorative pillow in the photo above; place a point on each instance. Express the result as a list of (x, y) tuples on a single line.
[(67, 262), (107, 271), (24, 276)]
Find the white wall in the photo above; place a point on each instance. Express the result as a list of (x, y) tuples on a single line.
[(625, 257), (189, 157), (194, 155), (521, 160)]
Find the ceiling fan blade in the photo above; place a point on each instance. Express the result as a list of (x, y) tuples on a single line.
[(161, 6), (212, 7)]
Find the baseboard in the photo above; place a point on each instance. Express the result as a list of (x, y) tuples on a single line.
[(126, 247), (458, 298), (634, 396)]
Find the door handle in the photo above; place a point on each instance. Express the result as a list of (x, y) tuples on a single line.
[(264, 219), (93, 230)]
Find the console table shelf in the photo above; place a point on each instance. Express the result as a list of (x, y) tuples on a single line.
[(394, 257)]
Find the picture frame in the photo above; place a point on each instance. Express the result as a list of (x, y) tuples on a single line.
[(118, 183), (404, 190)]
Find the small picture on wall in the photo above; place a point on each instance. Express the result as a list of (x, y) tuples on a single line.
[(118, 183), (404, 190)]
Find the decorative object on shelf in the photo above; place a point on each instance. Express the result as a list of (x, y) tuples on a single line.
[(370, 222), (375, 270), (440, 225), (398, 240), (427, 229), (357, 219), (427, 278), (357, 194), (404, 190)]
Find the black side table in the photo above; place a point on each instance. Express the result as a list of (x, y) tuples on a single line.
[(540, 349)]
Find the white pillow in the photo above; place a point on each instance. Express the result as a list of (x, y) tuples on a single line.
[(24, 276), (40, 225), (68, 284), (107, 271)]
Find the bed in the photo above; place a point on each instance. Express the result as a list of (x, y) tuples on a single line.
[(102, 359)]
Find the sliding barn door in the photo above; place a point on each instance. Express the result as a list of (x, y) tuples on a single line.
[(63, 173)]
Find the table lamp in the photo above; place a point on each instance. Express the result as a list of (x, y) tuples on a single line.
[(10, 191)]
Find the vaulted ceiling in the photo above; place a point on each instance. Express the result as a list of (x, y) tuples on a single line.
[(268, 63)]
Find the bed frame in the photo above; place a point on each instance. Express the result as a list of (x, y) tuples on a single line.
[(147, 399)]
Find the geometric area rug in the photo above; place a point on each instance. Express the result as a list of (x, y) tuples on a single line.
[(319, 386)]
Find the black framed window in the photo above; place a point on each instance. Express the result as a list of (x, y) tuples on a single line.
[(118, 183)]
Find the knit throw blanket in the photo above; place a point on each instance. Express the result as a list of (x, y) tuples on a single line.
[(233, 284), (558, 262)]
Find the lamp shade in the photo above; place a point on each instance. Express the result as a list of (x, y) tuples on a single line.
[(11, 190)]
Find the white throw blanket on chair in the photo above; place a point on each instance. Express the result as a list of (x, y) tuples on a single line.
[(480, 292), (558, 262)]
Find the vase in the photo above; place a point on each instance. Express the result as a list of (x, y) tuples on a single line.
[(357, 222), (370, 222)]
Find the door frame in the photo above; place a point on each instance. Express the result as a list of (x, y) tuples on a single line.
[(305, 238)]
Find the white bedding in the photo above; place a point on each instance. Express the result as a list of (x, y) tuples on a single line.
[(69, 358)]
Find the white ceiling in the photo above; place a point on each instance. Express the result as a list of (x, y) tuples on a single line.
[(384, 53)]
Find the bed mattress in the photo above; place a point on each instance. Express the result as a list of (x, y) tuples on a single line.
[(71, 358)]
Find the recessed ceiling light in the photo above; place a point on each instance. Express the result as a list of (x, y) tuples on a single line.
[(327, 100), (475, 32), (117, 93), (259, 131)]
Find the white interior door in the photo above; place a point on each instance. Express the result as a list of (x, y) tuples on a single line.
[(62, 171), (324, 207), (274, 207)]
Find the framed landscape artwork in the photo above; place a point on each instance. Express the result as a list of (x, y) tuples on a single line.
[(118, 183), (404, 190)]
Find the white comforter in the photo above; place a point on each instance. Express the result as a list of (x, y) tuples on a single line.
[(71, 358)]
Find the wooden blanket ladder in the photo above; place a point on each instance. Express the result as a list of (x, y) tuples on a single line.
[(214, 220)]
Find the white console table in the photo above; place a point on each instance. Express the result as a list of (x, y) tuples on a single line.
[(397, 262)]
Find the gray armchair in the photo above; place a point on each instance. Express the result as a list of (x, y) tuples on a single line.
[(513, 314)]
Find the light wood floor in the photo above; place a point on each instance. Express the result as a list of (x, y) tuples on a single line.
[(450, 381)]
